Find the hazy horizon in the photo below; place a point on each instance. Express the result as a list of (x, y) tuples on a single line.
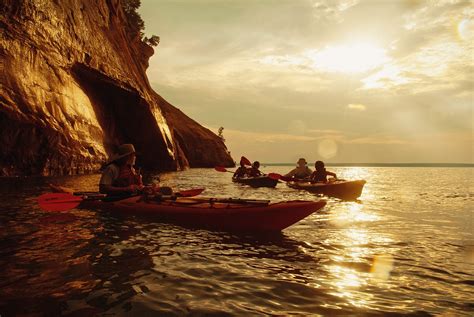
[(343, 81)]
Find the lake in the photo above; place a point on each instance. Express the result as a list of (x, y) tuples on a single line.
[(405, 247)]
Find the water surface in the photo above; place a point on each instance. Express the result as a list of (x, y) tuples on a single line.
[(406, 247)]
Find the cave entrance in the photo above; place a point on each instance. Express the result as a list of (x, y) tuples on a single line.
[(125, 117)]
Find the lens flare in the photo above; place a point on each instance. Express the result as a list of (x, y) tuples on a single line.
[(382, 265), (466, 29), (327, 148)]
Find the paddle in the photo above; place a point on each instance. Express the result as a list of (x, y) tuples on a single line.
[(222, 169), (58, 201), (280, 177), (274, 176), (66, 201), (190, 192), (245, 160)]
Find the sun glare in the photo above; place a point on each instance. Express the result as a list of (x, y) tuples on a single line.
[(350, 58), (344, 58)]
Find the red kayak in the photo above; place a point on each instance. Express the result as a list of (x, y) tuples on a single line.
[(214, 213), (347, 190), (260, 181)]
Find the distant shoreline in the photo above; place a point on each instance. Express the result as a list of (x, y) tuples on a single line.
[(383, 164)]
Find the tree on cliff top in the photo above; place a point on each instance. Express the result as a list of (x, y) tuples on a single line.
[(221, 134), (135, 23)]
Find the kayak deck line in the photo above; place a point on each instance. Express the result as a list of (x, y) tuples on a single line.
[(213, 201), (193, 202)]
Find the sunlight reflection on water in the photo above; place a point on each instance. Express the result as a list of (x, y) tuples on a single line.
[(398, 249)]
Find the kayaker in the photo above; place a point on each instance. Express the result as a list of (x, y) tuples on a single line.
[(242, 171), (302, 171), (320, 174), (254, 171), (119, 177)]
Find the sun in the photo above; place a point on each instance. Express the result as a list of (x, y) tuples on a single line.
[(355, 57), (348, 58)]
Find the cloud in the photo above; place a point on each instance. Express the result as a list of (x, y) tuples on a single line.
[(356, 106), (344, 58), (269, 147), (262, 137), (317, 135), (440, 66), (283, 75), (377, 140)]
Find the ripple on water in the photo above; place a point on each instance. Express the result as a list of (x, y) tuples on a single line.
[(406, 246)]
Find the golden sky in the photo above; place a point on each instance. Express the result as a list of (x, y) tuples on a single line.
[(341, 81)]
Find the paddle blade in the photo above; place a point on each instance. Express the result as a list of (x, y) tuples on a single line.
[(58, 201), (191, 192), (286, 179), (245, 160), (220, 169), (274, 176)]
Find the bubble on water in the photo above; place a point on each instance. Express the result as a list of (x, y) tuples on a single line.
[(327, 148), (382, 266)]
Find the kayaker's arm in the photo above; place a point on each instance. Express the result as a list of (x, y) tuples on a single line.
[(107, 180), (312, 177), (332, 174), (109, 189), (291, 173), (236, 173)]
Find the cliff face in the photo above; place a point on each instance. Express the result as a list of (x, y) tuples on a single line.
[(199, 145), (73, 86)]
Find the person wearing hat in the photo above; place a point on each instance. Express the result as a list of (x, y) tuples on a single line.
[(119, 177), (302, 171)]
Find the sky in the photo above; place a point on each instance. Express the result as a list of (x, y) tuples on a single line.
[(376, 81)]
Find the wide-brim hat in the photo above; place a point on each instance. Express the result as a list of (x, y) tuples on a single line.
[(302, 160), (122, 151)]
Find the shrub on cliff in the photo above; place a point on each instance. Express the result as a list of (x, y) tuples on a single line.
[(135, 23)]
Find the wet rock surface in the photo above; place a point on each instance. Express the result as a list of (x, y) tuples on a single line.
[(73, 86)]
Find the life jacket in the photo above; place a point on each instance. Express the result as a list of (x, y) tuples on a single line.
[(241, 172), (127, 177), (319, 176), (301, 173), (254, 172)]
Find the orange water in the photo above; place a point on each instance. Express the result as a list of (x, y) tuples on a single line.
[(407, 246)]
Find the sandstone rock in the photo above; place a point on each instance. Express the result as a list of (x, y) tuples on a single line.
[(73, 86)]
